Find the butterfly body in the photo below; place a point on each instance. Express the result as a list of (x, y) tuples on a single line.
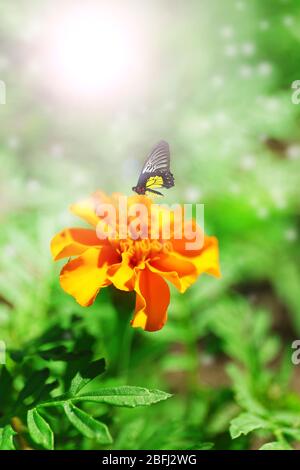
[(156, 171)]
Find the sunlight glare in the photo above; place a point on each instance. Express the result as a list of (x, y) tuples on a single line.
[(94, 51)]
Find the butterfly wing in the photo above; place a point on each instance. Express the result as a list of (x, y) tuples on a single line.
[(158, 159), (154, 182), (156, 170)]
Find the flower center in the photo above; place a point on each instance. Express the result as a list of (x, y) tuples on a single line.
[(143, 250)]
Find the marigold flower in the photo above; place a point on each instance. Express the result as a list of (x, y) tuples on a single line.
[(143, 264)]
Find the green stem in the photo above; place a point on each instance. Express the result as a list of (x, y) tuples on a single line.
[(280, 438), (125, 352), (193, 373)]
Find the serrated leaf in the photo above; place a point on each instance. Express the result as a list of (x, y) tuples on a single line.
[(243, 392), (6, 438), (39, 429), (125, 396), (87, 425), (56, 353), (275, 446), (269, 349), (219, 421), (47, 389), (61, 353), (245, 423), (34, 384), (87, 374), (117, 396)]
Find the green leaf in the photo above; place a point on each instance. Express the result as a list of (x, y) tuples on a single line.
[(243, 391), (287, 418), (275, 446), (293, 433), (245, 423), (117, 396), (201, 446), (55, 354), (16, 355), (219, 421), (47, 389), (61, 353), (34, 384), (87, 425), (39, 429), (125, 396), (6, 393), (6, 438), (87, 374)]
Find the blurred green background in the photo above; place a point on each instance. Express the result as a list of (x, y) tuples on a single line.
[(214, 80)]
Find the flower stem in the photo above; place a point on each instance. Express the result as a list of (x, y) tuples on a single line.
[(125, 352)]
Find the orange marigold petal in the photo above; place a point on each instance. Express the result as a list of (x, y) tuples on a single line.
[(84, 276), (206, 257), (152, 301), (189, 233), (208, 260), (139, 199), (176, 269), (122, 275), (87, 209), (73, 242)]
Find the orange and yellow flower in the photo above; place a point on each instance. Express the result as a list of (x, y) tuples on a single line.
[(143, 265)]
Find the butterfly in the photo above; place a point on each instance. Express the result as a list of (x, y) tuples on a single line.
[(156, 171)]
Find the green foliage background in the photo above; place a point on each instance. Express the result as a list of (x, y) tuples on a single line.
[(218, 88)]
